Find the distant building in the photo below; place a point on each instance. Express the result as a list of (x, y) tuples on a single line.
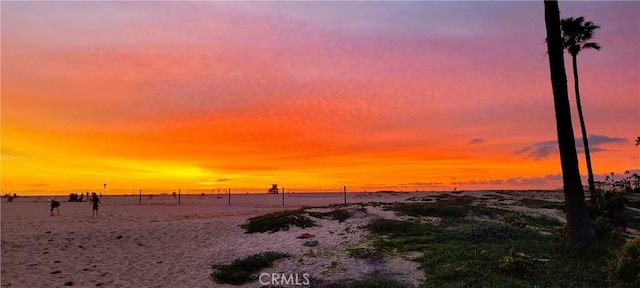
[(612, 186), (273, 190), (600, 185)]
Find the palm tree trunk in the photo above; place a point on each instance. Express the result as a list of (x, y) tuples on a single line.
[(585, 141), (579, 229)]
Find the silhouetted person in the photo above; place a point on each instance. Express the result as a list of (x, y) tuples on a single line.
[(55, 205), (95, 203)]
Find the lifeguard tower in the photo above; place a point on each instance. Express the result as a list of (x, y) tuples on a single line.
[(273, 189)]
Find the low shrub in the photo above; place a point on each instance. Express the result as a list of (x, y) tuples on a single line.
[(514, 219), (241, 271), (277, 221), (602, 227), (310, 243), (517, 263), (361, 252), (624, 269), (459, 200), (397, 227), (338, 214), (537, 203), (521, 220)]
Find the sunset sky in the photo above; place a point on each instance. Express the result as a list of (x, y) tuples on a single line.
[(310, 95)]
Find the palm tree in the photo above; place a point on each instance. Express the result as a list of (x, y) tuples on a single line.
[(627, 181), (638, 141), (576, 34), (579, 229)]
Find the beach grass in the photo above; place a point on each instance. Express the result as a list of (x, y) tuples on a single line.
[(471, 245), (460, 252)]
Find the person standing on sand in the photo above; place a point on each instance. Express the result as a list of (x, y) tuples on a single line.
[(95, 202), (55, 205)]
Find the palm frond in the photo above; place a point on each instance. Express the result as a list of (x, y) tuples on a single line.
[(576, 33), (591, 45)]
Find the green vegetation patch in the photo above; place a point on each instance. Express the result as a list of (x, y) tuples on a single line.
[(398, 227), (243, 270), (521, 220), (459, 200), (277, 221), (361, 252), (537, 203), (338, 214), (428, 209), (396, 236), (443, 210), (482, 232), (459, 252), (624, 269), (514, 219)]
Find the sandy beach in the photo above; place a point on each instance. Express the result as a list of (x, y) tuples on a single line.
[(161, 243)]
